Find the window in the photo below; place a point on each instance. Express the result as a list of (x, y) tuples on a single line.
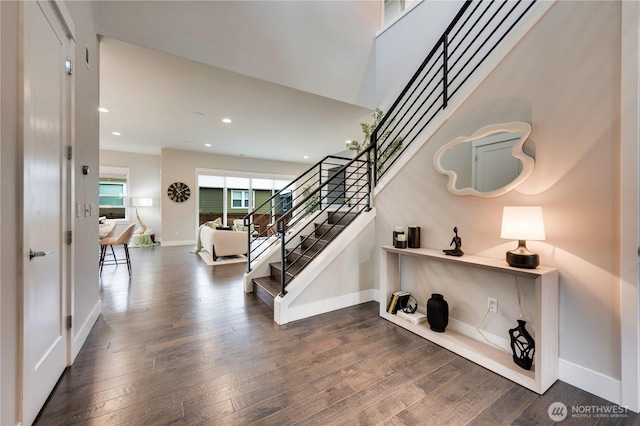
[(239, 199), (232, 197), (113, 192), (394, 9), (286, 201)]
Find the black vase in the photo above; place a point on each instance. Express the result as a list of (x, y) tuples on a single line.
[(522, 345), (414, 237), (437, 312)]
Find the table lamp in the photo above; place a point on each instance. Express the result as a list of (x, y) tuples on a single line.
[(522, 223), (142, 202)]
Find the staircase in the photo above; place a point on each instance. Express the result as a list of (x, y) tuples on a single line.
[(322, 202), (267, 288), (334, 192)]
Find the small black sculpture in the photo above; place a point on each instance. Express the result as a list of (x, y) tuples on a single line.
[(457, 243), (522, 345)]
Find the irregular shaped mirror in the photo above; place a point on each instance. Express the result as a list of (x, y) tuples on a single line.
[(489, 163)]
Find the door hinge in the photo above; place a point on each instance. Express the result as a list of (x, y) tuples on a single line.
[(69, 152), (69, 237), (69, 322), (68, 66)]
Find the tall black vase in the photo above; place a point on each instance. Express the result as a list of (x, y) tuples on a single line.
[(437, 312), (522, 345), (414, 237)]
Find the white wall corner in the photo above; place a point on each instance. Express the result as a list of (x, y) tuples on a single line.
[(279, 314), (629, 208)]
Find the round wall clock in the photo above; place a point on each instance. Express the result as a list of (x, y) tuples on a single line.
[(178, 192)]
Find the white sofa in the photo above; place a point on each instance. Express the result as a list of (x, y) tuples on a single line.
[(223, 243)]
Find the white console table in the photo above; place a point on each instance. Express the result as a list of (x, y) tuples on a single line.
[(545, 367)]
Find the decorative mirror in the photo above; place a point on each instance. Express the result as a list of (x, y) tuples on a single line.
[(489, 163)]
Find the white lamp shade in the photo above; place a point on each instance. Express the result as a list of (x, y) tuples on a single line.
[(142, 202), (522, 223)]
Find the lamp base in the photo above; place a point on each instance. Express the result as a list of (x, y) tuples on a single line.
[(521, 257)]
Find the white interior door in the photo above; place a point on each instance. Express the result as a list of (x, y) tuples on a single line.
[(44, 104)]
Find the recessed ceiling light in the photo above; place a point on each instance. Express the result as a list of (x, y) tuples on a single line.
[(207, 144), (306, 157), (115, 133), (101, 109), (226, 120)]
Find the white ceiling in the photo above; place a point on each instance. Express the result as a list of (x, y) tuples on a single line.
[(160, 100)]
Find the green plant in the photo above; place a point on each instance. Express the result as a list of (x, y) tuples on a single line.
[(310, 205), (367, 130)]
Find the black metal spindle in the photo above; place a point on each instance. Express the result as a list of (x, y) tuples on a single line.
[(283, 272), (445, 69)]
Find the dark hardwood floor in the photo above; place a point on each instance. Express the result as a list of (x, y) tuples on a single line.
[(181, 343)]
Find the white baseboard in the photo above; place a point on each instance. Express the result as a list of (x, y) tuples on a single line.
[(333, 304), (84, 330), (179, 243), (591, 381)]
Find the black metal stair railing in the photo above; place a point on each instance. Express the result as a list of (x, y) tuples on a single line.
[(477, 29), (331, 183), (343, 196)]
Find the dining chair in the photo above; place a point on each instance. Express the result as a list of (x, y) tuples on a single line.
[(122, 239), (106, 231)]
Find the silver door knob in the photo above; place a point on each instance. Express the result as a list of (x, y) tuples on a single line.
[(33, 254)]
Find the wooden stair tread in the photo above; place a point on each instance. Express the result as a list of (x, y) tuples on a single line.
[(268, 288), (270, 284), (291, 269)]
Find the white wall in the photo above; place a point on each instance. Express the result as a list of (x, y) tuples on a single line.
[(320, 47), (86, 304), (401, 48), (563, 78), (629, 206), (179, 220), (145, 176)]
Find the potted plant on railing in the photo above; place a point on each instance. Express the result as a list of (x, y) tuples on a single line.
[(367, 129), (312, 204), (391, 149)]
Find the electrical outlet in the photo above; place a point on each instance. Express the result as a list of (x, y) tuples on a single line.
[(492, 303)]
